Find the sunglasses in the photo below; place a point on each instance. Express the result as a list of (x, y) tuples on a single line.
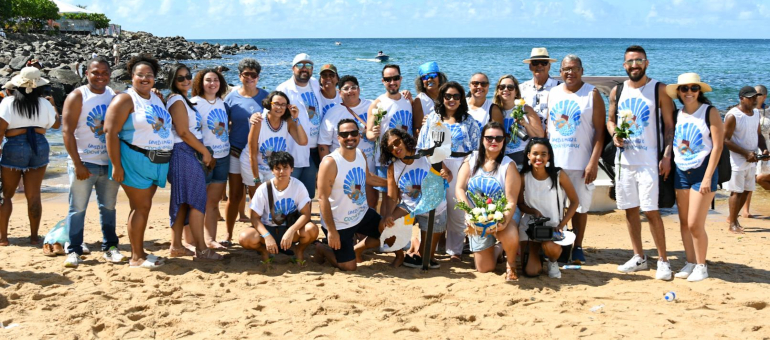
[(450, 96), (539, 62), (509, 87), (393, 78), (632, 62), (396, 143), (346, 134), (429, 76), (252, 75), (491, 139), (685, 88), (480, 83), (303, 65), (180, 79)]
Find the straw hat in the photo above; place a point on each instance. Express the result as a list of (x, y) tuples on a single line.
[(684, 79), (29, 78), (539, 53)]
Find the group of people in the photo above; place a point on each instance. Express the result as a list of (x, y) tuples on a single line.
[(536, 143)]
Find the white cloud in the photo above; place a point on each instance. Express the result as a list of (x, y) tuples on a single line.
[(582, 10), (165, 6)]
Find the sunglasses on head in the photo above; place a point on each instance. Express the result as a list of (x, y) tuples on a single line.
[(455, 96), (480, 83), (393, 78), (491, 139), (252, 75), (509, 87), (539, 62), (396, 143), (180, 79), (685, 88), (303, 65), (346, 134), (429, 76)]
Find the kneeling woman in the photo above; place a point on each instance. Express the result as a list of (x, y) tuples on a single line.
[(488, 172), (271, 206), (543, 190)]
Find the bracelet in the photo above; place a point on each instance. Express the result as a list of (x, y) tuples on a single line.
[(257, 180), (296, 120), (265, 235)]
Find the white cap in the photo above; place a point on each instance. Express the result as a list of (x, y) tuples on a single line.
[(300, 57)]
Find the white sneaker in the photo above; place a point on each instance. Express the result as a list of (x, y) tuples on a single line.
[(553, 270), (636, 263), (86, 251), (72, 260), (699, 273), (664, 271), (113, 255), (685, 271)]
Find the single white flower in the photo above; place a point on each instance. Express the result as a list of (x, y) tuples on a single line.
[(478, 211), (626, 115), (468, 218), (498, 216), (518, 102), (491, 208)]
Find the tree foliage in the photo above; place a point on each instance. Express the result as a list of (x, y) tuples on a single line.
[(100, 20), (27, 13)]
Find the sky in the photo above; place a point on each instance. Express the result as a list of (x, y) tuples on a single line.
[(264, 19)]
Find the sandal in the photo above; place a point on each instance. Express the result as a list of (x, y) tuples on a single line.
[(48, 250), (510, 275), (207, 255), (153, 258), (226, 243), (181, 252), (147, 264)]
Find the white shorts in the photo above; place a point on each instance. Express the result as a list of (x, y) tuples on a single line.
[(742, 180), (584, 191), (637, 186), (247, 175), (235, 165)]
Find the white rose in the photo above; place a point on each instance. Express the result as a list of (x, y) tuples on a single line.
[(626, 115), (468, 218), (478, 211), (517, 102), (481, 219), (491, 208), (498, 216)]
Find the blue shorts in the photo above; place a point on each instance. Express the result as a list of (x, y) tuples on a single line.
[(138, 171), (220, 172), (692, 178), (18, 153)]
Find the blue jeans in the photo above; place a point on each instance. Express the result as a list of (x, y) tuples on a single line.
[(80, 193)]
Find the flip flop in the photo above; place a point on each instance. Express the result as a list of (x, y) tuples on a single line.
[(207, 255), (147, 264), (153, 258), (180, 252)]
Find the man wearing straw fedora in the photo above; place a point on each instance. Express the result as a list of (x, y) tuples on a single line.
[(535, 91)]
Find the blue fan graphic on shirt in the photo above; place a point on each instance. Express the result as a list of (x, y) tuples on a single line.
[(160, 120), (95, 121), (272, 144), (354, 185), (565, 117), (410, 183), (217, 123), (326, 109), (457, 136), (688, 141), (402, 119), (641, 115), (283, 208), (311, 103), (483, 185), (198, 125), (511, 146)]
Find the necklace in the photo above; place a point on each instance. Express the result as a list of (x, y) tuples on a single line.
[(210, 102), (280, 125)]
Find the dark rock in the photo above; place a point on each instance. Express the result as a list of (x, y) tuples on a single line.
[(66, 77), (120, 74), (118, 86), (19, 62)]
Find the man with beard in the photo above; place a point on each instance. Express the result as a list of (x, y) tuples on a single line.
[(342, 178), (83, 134), (397, 114), (576, 132), (638, 168), (329, 96), (535, 91), (303, 90)]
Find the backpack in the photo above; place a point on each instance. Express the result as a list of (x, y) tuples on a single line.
[(724, 169)]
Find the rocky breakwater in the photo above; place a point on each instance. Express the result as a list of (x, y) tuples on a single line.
[(62, 55)]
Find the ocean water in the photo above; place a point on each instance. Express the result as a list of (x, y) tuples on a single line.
[(726, 65)]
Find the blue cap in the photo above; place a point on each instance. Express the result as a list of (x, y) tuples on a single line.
[(429, 67)]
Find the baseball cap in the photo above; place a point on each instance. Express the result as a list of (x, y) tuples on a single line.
[(329, 67), (747, 92), (300, 57)]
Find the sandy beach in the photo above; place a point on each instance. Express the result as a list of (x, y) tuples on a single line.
[(241, 299)]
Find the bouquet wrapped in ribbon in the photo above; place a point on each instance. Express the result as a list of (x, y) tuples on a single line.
[(485, 214)]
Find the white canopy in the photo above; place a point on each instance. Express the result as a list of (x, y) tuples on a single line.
[(67, 8)]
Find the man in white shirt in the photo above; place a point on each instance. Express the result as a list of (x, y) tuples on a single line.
[(535, 91)]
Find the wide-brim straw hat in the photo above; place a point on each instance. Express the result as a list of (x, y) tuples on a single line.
[(539, 53), (684, 79), (29, 78)]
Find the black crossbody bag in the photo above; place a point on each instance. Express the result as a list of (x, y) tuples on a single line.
[(286, 222), (155, 156)]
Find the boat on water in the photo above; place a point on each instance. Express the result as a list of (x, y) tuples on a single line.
[(338, 43), (381, 57)]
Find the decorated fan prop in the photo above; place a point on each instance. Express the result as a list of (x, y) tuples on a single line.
[(569, 238), (443, 151), (402, 233)]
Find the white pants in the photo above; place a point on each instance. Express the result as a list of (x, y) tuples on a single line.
[(742, 180), (455, 224)]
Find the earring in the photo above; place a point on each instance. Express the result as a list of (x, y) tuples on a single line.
[(547, 164), (529, 163)]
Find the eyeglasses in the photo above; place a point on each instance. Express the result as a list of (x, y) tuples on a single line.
[(570, 70), (180, 79), (145, 76), (393, 78), (632, 62), (429, 76), (350, 88), (346, 134), (252, 75), (480, 83), (509, 87), (455, 96), (539, 62), (274, 104), (685, 88), (396, 143), (491, 139), (303, 65)]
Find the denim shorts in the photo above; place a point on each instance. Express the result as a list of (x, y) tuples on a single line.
[(692, 178), (220, 172), (138, 171), (18, 153), (439, 222)]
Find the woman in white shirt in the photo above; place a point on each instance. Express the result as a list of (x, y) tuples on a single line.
[(24, 118)]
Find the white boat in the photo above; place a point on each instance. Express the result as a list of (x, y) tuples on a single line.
[(337, 43), (381, 57)]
